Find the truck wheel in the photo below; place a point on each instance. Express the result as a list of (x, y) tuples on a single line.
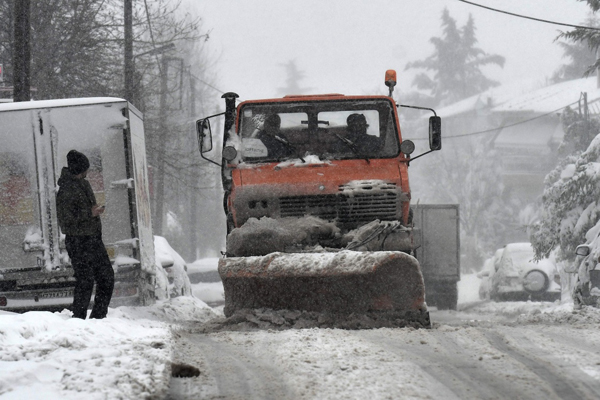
[(447, 296)]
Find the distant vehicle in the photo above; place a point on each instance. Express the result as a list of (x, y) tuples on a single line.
[(518, 277), (587, 269), (486, 273)]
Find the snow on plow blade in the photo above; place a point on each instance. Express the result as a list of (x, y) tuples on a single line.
[(342, 282)]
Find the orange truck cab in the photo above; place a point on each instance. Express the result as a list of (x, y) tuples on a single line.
[(336, 157)]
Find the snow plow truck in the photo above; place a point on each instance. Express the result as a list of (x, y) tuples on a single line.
[(317, 202)]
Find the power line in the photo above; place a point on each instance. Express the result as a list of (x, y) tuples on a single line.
[(505, 126), (206, 83), (526, 17)]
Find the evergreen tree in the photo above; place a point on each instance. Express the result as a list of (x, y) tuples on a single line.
[(580, 57), (292, 82), (589, 37), (455, 65)]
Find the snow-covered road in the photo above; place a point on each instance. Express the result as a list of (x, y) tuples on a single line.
[(519, 352), (486, 350)]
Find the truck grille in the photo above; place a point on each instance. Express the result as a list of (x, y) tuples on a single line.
[(345, 208)]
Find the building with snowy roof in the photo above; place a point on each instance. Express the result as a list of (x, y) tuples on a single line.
[(523, 126)]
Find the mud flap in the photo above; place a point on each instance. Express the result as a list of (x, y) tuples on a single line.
[(342, 282)]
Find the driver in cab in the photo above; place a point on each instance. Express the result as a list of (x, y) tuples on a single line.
[(277, 146)]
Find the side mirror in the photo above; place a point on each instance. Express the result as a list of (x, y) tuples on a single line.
[(435, 133), (582, 250), (204, 135)]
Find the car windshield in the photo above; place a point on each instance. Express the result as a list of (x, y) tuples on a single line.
[(345, 129), (522, 257)]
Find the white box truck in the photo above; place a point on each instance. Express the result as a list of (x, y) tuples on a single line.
[(35, 137)]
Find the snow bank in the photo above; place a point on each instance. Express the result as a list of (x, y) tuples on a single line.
[(69, 358), (125, 356)]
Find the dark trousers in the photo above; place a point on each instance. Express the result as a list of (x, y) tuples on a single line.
[(91, 264)]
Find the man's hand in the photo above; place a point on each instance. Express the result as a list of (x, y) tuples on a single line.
[(97, 210)]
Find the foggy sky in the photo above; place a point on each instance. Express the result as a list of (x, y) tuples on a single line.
[(345, 46)]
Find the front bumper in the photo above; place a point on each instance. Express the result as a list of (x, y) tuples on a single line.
[(40, 291)]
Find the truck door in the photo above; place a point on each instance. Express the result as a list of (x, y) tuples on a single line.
[(97, 130), (21, 235)]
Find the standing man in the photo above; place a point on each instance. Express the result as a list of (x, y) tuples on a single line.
[(79, 220)]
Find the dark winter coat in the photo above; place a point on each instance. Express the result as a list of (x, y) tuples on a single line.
[(74, 203)]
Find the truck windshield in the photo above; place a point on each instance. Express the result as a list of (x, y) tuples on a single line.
[(345, 129)]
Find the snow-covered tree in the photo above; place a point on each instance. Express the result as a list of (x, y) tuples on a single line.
[(579, 132), (571, 204), (454, 69)]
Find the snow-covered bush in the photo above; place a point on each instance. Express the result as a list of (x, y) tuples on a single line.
[(570, 206)]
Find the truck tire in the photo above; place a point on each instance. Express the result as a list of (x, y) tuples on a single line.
[(446, 297)]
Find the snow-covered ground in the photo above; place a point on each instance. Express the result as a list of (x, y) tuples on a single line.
[(128, 354)]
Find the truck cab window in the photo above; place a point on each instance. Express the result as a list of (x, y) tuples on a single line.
[(329, 130)]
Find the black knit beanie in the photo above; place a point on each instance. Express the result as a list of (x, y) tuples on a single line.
[(77, 162)]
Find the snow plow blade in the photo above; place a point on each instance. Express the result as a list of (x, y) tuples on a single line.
[(344, 282)]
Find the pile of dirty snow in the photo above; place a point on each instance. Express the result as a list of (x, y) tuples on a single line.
[(563, 314), (267, 235), (268, 319)]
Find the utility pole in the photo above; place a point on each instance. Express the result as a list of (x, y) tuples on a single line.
[(162, 139), (193, 179), (129, 68), (22, 52)]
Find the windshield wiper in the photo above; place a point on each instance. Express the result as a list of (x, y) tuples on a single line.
[(289, 146), (352, 146)]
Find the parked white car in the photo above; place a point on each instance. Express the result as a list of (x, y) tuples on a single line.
[(519, 277), (486, 273)]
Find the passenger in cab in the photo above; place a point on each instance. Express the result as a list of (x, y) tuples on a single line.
[(366, 144)]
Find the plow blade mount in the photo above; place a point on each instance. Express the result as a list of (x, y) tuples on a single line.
[(341, 282)]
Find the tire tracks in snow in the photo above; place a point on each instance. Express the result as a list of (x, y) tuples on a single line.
[(227, 371), (564, 376), (459, 369)]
